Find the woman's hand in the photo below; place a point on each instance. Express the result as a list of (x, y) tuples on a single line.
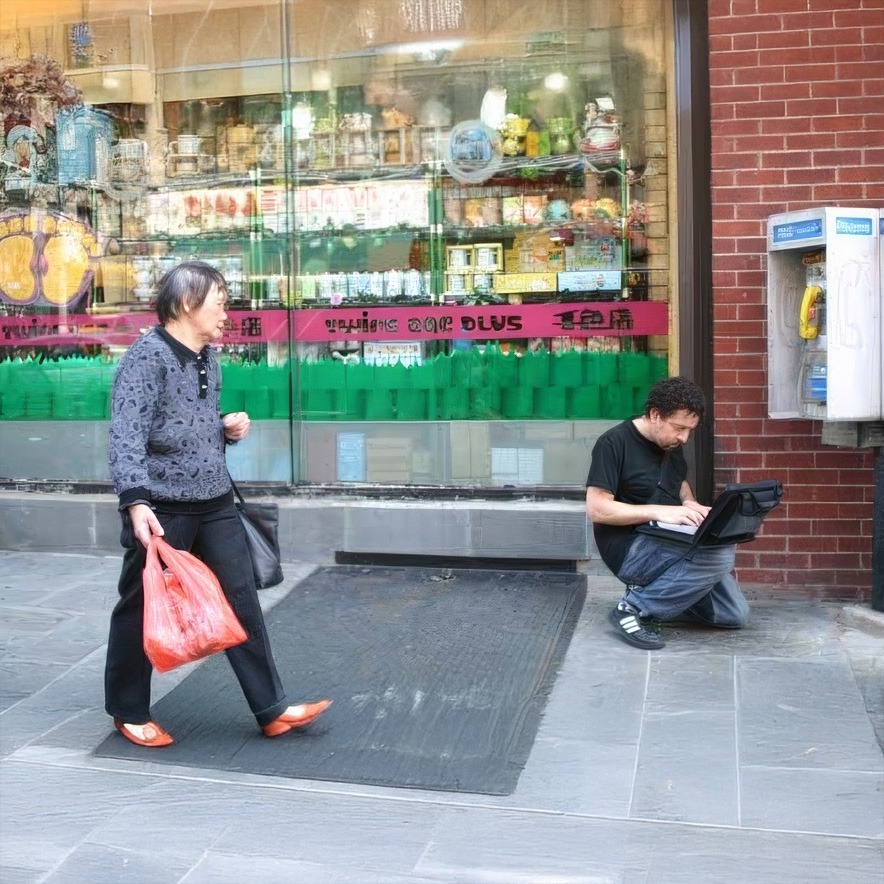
[(144, 523), (236, 425)]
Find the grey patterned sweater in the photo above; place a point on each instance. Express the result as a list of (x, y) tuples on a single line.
[(166, 439)]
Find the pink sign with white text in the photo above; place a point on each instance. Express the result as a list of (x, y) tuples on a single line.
[(579, 320)]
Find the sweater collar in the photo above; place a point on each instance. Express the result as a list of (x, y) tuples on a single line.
[(184, 354)]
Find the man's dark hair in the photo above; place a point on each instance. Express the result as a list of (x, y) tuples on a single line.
[(188, 283), (676, 394)]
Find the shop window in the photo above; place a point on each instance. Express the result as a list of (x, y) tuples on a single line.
[(443, 224)]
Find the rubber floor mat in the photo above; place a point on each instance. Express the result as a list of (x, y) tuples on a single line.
[(439, 679)]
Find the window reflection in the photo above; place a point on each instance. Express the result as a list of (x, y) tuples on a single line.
[(426, 210)]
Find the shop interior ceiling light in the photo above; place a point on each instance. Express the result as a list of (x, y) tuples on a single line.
[(320, 79), (556, 81), (426, 48)]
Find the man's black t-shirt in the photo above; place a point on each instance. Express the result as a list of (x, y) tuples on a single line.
[(634, 470)]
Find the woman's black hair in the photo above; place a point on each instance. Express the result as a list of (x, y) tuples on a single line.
[(676, 394), (189, 283)]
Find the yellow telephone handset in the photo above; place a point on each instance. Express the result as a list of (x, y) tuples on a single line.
[(809, 315)]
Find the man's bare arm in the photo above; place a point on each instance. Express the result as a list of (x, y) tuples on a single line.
[(604, 510)]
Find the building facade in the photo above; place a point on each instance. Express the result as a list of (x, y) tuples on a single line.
[(797, 121), (460, 242)]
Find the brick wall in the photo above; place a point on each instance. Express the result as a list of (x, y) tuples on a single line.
[(797, 95)]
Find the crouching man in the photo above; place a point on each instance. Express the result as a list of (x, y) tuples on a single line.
[(638, 474)]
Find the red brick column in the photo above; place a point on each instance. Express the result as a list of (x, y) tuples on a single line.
[(797, 110)]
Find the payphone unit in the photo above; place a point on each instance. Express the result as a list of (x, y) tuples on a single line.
[(824, 308)]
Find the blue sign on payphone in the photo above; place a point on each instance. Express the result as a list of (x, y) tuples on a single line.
[(854, 226), (795, 231)]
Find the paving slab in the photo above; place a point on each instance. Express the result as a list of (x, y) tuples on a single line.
[(838, 802), (529, 847), (750, 757), (687, 768), (803, 714)]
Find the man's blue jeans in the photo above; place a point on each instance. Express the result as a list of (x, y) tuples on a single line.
[(697, 588)]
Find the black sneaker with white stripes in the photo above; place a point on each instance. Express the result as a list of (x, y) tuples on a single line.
[(633, 629)]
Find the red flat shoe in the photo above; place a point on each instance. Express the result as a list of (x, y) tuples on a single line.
[(287, 722), (154, 735)]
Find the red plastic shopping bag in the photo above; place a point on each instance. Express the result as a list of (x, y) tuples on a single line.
[(186, 615)]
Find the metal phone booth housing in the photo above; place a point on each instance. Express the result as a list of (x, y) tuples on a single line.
[(824, 310), (881, 293)]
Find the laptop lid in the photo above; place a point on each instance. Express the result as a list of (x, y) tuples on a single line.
[(735, 517)]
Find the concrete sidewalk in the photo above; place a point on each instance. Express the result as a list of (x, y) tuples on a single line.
[(751, 757)]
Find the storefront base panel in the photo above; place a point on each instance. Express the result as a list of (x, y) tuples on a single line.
[(317, 530), (527, 453), (314, 530)]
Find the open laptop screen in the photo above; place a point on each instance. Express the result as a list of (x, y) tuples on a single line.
[(735, 517)]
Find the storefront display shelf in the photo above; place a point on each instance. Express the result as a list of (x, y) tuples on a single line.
[(470, 236), (510, 167), (600, 162), (173, 240)]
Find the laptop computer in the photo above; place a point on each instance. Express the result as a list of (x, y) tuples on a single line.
[(735, 517)]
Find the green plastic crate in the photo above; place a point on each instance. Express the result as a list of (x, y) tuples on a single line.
[(534, 369), (616, 402), (358, 376), (634, 369), (503, 369), (441, 371), (659, 369), (379, 405), (317, 404), (14, 404), (232, 399), (517, 403), (454, 404), (257, 403), (584, 403), (486, 403), (279, 403), (411, 405), (391, 377), (566, 369), (351, 404), (607, 369), (550, 403)]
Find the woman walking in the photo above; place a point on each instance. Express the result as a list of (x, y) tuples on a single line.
[(166, 457)]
